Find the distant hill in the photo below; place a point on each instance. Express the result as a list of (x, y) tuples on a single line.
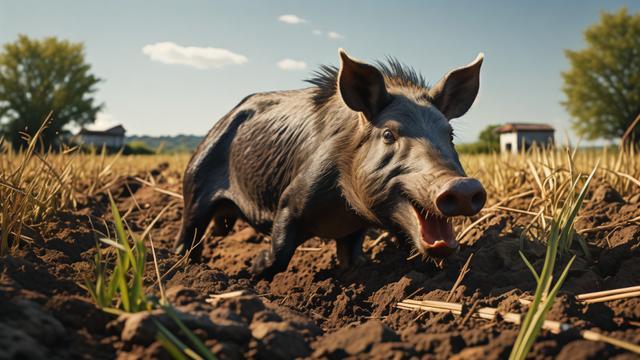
[(167, 144)]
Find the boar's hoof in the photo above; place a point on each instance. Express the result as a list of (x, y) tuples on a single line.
[(359, 260), (194, 253), (354, 261), (179, 249), (262, 266)]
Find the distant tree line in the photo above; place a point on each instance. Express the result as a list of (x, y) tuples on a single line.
[(166, 144), (488, 142)]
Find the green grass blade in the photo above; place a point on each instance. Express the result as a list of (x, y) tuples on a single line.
[(197, 343), (177, 342), (124, 292), (565, 235), (113, 243), (533, 271), (113, 311), (542, 313), (121, 234), (170, 347)]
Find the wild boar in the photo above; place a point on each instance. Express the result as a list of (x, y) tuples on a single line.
[(365, 146)]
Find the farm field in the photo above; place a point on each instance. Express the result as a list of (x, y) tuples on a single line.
[(56, 209)]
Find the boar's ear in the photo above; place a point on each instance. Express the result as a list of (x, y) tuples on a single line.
[(361, 86), (454, 94)]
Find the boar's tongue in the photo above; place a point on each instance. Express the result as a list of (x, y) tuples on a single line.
[(437, 232)]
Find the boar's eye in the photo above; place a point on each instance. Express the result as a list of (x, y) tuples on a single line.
[(388, 136)]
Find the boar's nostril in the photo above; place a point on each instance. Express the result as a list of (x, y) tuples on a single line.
[(478, 200), (447, 203), (461, 196)]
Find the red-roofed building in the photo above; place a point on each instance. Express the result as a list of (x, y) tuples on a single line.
[(518, 136)]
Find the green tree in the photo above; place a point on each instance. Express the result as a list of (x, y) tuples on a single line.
[(39, 76), (603, 84), (488, 142), (490, 136)]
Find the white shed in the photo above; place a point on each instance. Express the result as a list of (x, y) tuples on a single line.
[(515, 137), (111, 138)]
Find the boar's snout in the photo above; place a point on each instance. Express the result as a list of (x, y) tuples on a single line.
[(461, 196)]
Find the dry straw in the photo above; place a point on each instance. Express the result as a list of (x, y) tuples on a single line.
[(489, 313)]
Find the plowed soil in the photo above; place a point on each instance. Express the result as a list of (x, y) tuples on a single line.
[(315, 309)]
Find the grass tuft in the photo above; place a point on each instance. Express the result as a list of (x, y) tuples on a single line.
[(121, 289), (560, 234)]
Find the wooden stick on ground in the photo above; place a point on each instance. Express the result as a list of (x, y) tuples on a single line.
[(608, 295), (490, 314), (302, 248), (599, 294), (215, 297)]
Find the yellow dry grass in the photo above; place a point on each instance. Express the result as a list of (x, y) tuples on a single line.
[(34, 184)]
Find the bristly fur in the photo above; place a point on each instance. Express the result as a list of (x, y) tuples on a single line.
[(401, 74), (396, 74), (326, 81)]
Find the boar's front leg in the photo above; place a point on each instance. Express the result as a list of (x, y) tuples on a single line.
[(284, 235), (349, 250), (283, 246)]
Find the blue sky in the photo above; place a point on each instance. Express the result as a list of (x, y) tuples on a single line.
[(177, 85)]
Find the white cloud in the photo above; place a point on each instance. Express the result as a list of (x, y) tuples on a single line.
[(291, 19), (290, 64), (198, 57), (335, 35), (103, 121), (317, 32)]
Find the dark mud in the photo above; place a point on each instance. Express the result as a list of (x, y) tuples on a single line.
[(314, 309)]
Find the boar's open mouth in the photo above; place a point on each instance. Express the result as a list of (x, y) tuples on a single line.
[(437, 235)]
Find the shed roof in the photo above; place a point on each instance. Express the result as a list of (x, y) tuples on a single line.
[(117, 130), (515, 127)]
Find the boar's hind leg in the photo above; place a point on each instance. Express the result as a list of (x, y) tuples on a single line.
[(349, 250)]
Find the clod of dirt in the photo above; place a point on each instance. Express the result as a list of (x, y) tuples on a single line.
[(302, 324), (629, 234), (438, 343), (17, 344), (581, 349), (78, 312), (244, 306), (392, 293), (201, 279), (492, 230), (278, 340), (140, 328), (606, 193), (181, 295), (224, 350), (34, 321), (356, 340), (497, 348)]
